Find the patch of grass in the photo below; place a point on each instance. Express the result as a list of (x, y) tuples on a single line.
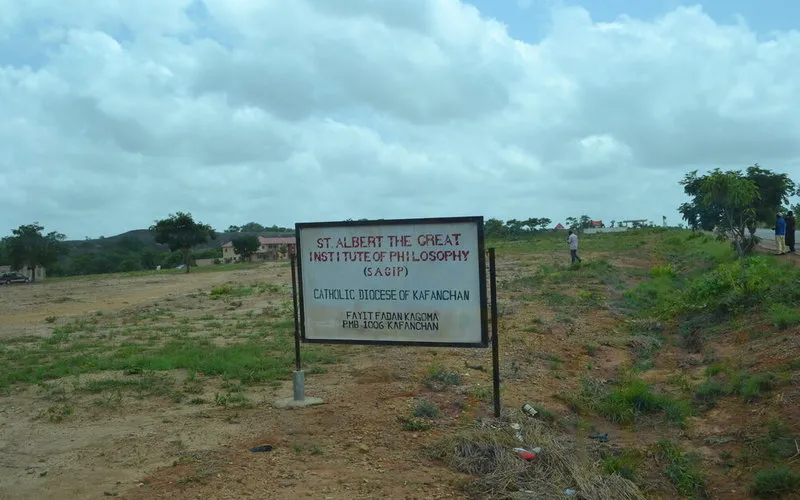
[(483, 392), (751, 387), (723, 381), (783, 316), (439, 378), (232, 399), (591, 349), (633, 397), (415, 424), (427, 409), (148, 384), (775, 482), (253, 361), (683, 469), (57, 414), (708, 392), (624, 463)]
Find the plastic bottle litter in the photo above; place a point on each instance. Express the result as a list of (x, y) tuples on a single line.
[(525, 454), (570, 492), (530, 410)]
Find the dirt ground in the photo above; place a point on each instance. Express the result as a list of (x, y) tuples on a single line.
[(350, 447)]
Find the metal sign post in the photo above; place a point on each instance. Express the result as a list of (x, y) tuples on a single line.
[(495, 329)]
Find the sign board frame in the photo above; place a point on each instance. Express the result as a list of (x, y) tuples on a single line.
[(481, 264)]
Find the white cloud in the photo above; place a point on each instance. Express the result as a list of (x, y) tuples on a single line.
[(116, 113)]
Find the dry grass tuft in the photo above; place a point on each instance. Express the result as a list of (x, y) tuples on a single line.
[(486, 451)]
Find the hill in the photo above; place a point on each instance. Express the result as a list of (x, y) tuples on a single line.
[(137, 250)]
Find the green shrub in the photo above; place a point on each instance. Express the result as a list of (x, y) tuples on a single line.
[(783, 316), (772, 483), (427, 409), (729, 288), (439, 378)]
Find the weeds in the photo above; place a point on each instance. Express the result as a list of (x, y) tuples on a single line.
[(683, 469), (439, 378), (627, 402), (624, 463), (415, 424), (773, 483), (783, 316), (427, 409), (722, 381)]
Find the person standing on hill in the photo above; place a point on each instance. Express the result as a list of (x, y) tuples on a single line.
[(572, 241), (780, 234), (790, 229)]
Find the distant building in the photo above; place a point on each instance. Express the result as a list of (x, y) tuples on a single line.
[(268, 249), (596, 224), (560, 227)]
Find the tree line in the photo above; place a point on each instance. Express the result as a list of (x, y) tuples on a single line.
[(732, 203), (168, 243)]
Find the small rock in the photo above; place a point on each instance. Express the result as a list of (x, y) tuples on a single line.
[(363, 448)]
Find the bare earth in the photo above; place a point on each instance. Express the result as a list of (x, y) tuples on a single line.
[(350, 447)]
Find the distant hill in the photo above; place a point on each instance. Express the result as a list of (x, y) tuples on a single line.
[(139, 240)]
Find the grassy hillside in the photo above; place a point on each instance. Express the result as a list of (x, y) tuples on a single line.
[(685, 357)]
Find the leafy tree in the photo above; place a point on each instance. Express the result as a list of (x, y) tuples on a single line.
[(734, 198), (233, 229), (773, 192), (251, 227), (28, 247), (181, 233), (537, 223), (149, 260), (514, 227), (573, 223), (697, 214), (245, 246), (494, 228)]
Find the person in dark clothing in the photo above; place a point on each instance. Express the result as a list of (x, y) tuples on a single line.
[(790, 229)]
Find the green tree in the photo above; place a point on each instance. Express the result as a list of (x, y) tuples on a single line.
[(181, 233), (734, 198), (573, 223), (245, 246), (28, 247), (494, 228), (774, 190), (251, 227)]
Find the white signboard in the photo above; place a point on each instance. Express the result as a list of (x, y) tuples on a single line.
[(417, 281)]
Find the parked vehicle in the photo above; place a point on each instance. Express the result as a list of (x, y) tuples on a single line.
[(12, 277)]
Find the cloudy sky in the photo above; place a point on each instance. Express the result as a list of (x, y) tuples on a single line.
[(116, 112)]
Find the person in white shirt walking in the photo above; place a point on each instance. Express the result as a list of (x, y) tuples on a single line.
[(572, 240)]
